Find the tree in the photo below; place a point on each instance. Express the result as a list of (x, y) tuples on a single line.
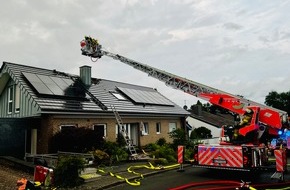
[(200, 133), (279, 100), (178, 136), (195, 108)]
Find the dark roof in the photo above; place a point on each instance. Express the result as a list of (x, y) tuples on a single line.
[(80, 100), (217, 119)]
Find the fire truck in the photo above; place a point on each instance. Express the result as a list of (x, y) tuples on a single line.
[(243, 146)]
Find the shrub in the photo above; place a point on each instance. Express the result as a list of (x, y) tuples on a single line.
[(159, 161), (66, 173), (121, 140), (116, 152), (152, 147), (76, 140), (188, 154), (161, 142), (178, 137), (166, 152), (100, 156)]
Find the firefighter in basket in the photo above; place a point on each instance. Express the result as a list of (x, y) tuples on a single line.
[(245, 120)]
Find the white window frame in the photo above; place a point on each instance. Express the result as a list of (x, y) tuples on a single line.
[(158, 128), (172, 126), (145, 128), (127, 128), (101, 124), (17, 99), (67, 125), (10, 99)]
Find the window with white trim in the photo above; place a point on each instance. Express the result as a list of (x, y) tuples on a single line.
[(101, 129), (17, 99), (126, 128), (145, 128), (67, 127), (172, 127), (158, 128), (10, 99)]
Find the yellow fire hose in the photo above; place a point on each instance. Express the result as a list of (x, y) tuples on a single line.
[(130, 170)]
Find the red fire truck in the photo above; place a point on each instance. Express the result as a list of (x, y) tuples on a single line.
[(242, 147)]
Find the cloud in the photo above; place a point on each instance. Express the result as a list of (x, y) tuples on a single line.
[(237, 46), (232, 26)]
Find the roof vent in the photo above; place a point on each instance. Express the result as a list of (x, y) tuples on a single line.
[(85, 75)]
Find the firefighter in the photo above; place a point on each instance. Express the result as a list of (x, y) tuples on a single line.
[(247, 117), (246, 120), (24, 184)]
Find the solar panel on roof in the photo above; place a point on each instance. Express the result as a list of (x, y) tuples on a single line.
[(50, 85), (39, 86), (148, 96)]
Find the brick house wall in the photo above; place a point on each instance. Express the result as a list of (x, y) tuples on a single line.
[(50, 125)]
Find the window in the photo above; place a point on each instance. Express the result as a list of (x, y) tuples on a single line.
[(17, 98), (101, 129), (10, 99), (158, 128), (67, 127), (126, 128), (145, 128), (172, 127), (118, 96)]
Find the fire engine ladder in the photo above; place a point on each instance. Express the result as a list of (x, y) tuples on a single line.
[(124, 133), (174, 81)]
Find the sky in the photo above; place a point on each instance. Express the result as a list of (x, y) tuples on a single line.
[(241, 46)]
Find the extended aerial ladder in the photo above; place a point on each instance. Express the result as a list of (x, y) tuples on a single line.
[(268, 115), (245, 155)]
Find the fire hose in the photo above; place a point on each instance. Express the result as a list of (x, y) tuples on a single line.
[(136, 181)]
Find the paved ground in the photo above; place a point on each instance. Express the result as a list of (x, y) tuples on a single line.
[(9, 175), (121, 174)]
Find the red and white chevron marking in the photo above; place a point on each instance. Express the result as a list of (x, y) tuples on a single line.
[(180, 150), (280, 160), (225, 156)]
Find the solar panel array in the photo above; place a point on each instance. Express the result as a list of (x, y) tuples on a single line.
[(149, 96), (50, 85)]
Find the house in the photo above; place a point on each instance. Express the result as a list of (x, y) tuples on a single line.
[(37, 103)]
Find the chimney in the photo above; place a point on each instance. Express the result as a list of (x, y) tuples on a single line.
[(85, 75)]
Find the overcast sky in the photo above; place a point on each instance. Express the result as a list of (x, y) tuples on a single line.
[(238, 46)]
